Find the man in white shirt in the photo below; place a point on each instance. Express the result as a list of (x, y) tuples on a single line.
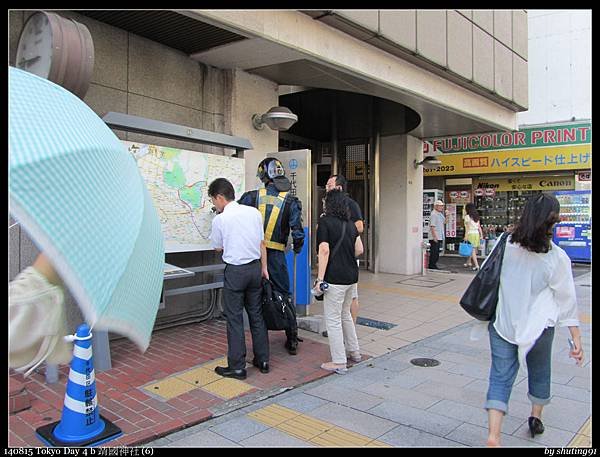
[(238, 231), (437, 221)]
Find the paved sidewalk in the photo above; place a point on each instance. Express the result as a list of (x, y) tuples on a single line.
[(387, 401)]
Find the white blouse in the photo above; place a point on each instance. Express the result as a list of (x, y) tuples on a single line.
[(536, 291)]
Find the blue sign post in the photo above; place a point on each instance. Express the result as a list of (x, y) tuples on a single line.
[(297, 166)]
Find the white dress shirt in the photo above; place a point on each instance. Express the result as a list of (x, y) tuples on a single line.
[(238, 230), (536, 291)]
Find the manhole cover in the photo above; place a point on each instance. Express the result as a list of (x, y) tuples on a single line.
[(425, 362)]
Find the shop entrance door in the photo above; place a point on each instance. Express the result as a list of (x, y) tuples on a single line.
[(353, 163)]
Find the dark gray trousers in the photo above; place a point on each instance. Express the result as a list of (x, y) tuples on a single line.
[(243, 289)]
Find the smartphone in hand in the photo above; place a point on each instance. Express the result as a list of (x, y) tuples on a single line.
[(572, 347)]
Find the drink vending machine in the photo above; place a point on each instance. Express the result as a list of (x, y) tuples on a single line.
[(429, 197), (573, 232)]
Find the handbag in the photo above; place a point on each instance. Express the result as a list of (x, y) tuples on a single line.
[(335, 249), (481, 297), (37, 323), (465, 249), (277, 308)]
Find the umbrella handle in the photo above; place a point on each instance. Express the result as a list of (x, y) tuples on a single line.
[(71, 338)]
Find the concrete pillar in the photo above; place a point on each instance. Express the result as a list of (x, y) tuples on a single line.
[(401, 190), (251, 94)]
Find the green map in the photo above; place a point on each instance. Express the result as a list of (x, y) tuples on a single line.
[(178, 181)]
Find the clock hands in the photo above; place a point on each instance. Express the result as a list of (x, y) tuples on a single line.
[(28, 61)]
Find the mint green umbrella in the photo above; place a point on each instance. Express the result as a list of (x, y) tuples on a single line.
[(79, 195)]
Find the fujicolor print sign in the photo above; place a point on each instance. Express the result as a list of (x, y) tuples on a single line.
[(554, 148)]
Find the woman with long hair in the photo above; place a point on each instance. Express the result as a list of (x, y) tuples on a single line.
[(536, 294), (473, 234), (338, 246)]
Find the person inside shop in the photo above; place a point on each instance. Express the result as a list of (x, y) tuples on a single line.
[(473, 234), (536, 294), (437, 232), (237, 230), (281, 212)]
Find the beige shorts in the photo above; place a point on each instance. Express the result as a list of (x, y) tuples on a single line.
[(354, 290)]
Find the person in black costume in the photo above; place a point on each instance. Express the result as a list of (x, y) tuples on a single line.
[(281, 212)]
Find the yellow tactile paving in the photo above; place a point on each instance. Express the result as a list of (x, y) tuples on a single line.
[(587, 428), (304, 427), (376, 443), (307, 421), (311, 430), (199, 377), (169, 388), (227, 388), (340, 437), (273, 415), (584, 436)]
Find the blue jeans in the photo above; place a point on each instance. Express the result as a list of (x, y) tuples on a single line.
[(505, 365)]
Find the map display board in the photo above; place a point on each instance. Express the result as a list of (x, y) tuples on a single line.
[(178, 181)]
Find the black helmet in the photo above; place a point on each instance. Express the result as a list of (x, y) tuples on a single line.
[(269, 169)]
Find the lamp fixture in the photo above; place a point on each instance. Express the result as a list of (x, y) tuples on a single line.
[(428, 162), (277, 118)]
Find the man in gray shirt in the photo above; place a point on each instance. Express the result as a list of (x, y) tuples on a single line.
[(437, 233)]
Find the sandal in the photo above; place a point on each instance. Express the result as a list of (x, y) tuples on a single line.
[(467, 265), (355, 356), (336, 368), (475, 268)]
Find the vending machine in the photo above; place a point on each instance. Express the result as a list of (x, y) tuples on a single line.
[(573, 232), (429, 197)]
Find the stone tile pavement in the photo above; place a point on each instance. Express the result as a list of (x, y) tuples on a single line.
[(387, 401)]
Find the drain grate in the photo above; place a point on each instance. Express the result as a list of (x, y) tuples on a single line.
[(375, 324), (424, 282), (424, 362)]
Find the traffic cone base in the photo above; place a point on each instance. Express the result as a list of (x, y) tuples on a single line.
[(81, 423), (110, 432)]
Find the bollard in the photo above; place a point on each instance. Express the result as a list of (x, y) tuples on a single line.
[(425, 263)]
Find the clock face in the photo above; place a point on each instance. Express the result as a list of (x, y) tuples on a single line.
[(34, 51)]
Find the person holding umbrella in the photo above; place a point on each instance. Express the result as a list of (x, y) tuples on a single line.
[(80, 197), (37, 318)]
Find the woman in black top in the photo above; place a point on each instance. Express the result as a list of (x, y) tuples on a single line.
[(339, 245)]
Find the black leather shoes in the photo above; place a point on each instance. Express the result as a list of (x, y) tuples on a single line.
[(292, 346), (535, 426), (262, 366), (230, 373)]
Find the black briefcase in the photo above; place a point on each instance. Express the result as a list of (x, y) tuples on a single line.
[(277, 307)]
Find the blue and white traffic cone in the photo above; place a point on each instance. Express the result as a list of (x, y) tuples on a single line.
[(81, 423)]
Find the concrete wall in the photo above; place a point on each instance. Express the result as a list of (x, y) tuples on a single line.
[(138, 76), (560, 72), (401, 185), (250, 95), (486, 47)]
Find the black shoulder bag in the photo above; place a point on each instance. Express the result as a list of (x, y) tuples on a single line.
[(277, 307), (481, 297)]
